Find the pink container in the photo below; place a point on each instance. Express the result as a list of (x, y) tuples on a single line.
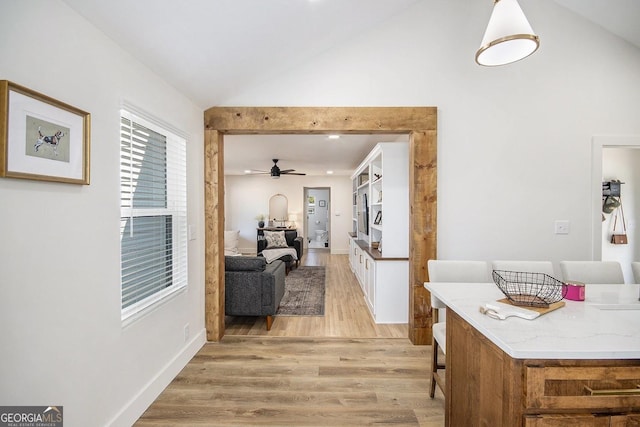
[(575, 291)]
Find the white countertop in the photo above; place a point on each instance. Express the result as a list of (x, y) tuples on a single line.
[(579, 330)]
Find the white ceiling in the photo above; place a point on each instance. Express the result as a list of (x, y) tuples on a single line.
[(210, 49), (310, 154)]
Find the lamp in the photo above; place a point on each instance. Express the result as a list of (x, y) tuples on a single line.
[(509, 36), (292, 219)]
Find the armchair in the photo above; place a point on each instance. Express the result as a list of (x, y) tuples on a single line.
[(294, 241)]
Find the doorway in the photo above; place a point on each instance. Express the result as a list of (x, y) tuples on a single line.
[(420, 123), (616, 158), (317, 203)]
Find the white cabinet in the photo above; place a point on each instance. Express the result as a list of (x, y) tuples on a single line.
[(370, 283), (385, 284), (381, 215)]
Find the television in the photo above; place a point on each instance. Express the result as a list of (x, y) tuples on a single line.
[(363, 215)]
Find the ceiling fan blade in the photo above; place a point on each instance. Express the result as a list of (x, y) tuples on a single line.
[(291, 173), (287, 171)]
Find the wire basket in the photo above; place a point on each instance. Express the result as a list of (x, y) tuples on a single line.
[(529, 289)]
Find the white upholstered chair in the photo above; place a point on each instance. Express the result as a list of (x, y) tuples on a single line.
[(453, 272), (545, 267), (635, 266), (604, 272)]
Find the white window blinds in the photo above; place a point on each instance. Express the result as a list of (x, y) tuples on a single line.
[(153, 223)]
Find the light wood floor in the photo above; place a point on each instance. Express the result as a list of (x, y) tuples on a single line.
[(346, 312), (336, 370)]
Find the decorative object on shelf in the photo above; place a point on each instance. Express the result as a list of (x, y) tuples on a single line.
[(375, 245), (260, 218), (380, 197), (508, 37), (529, 289), (42, 138), (378, 219), (619, 238), (322, 203), (377, 176)]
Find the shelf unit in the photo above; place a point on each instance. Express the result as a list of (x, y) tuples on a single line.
[(381, 215), (382, 179)]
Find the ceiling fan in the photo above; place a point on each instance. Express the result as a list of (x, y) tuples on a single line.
[(275, 171)]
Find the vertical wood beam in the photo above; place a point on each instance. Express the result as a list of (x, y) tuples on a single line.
[(423, 230), (214, 232)]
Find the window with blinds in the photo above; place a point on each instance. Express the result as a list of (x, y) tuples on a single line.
[(153, 223)]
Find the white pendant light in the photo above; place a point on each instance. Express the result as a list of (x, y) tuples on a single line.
[(508, 38)]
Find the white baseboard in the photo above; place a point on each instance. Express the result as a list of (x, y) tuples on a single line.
[(150, 392)]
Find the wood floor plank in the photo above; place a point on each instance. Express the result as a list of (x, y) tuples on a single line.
[(336, 370), (346, 312)]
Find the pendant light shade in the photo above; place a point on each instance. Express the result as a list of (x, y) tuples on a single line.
[(508, 38)]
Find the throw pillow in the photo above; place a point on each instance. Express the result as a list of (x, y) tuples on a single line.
[(275, 239), (231, 242)]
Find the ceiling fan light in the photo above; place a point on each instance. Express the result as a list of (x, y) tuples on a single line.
[(509, 36)]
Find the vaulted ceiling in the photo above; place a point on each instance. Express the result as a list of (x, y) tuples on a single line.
[(210, 50)]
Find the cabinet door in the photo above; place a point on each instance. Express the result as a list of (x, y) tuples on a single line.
[(360, 267), (370, 280), (352, 255)]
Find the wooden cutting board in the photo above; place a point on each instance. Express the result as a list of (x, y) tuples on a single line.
[(541, 310)]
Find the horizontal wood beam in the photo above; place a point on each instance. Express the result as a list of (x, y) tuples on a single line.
[(319, 120)]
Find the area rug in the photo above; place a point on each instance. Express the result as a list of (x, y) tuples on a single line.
[(303, 292)]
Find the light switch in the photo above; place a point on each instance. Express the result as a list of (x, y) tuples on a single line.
[(562, 227)]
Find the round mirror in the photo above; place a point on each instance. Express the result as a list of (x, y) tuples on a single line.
[(278, 209)]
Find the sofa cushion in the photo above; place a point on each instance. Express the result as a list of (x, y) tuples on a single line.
[(275, 239), (244, 263), (231, 239)]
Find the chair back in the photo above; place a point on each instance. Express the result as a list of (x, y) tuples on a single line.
[(635, 267), (603, 272), (545, 267), (454, 271)]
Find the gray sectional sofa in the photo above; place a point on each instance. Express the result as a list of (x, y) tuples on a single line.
[(253, 287)]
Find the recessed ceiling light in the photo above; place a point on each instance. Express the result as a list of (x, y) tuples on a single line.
[(329, 172), (247, 171), (334, 136)]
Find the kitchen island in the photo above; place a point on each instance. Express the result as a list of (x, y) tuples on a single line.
[(576, 366)]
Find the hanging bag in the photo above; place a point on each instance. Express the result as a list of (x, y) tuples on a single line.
[(619, 238)]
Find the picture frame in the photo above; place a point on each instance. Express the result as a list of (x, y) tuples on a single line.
[(42, 138), (322, 203), (378, 219), (311, 210)]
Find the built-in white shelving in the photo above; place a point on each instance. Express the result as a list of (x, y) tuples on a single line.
[(381, 217)]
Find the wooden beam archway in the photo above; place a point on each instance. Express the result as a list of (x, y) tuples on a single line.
[(420, 123)]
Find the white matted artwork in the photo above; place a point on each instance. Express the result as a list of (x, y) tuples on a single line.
[(41, 138)]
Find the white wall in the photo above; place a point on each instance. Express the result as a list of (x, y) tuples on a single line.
[(623, 164), (514, 142), (248, 196), (63, 342)]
